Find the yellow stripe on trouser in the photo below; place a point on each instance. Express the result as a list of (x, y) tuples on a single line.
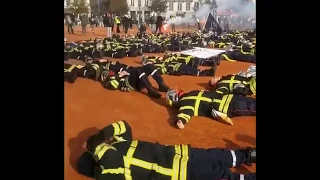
[(184, 116), (253, 85), (224, 103), (198, 99), (227, 58), (119, 128), (184, 162)]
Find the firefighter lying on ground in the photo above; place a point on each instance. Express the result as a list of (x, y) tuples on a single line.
[(245, 53), (176, 69), (112, 154), (234, 84), (221, 107), (91, 70), (135, 79)]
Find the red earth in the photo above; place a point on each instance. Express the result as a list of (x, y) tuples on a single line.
[(89, 107)]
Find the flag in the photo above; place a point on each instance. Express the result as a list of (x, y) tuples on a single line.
[(211, 23)]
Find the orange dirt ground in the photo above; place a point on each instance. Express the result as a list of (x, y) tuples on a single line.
[(89, 107)]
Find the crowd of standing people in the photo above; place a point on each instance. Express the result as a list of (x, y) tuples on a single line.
[(110, 22)]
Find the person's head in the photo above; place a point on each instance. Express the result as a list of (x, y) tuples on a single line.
[(172, 97), (213, 82)]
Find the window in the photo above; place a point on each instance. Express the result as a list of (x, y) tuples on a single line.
[(188, 6), (179, 6), (170, 6), (68, 3), (146, 2), (132, 2), (196, 5)]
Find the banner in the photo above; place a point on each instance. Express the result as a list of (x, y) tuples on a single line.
[(203, 53)]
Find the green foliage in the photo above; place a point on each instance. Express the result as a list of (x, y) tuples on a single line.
[(80, 6), (119, 7), (103, 7), (158, 6)]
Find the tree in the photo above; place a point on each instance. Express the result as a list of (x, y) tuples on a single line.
[(119, 7), (100, 6), (158, 6), (80, 6)]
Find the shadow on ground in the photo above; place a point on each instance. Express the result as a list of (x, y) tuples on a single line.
[(247, 139), (75, 145), (205, 86)]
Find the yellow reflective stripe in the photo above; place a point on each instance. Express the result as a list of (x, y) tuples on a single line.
[(220, 92), (253, 85), (70, 68), (127, 159), (197, 104), (231, 83), (235, 81), (184, 116), (184, 162), (114, 83), (198, 99), (112, 171), (224, 103), (123, 128), (188, 59), (176, 162), (243, 51), (186, 108), (151, 166), (101, 149), (95, 66), (116, 129)]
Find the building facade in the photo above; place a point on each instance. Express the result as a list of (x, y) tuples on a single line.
[(175, 7)]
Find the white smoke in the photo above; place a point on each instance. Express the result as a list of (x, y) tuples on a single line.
[(201, 13), (243, 9)]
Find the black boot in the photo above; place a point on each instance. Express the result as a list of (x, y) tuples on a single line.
[(207, 72), (151, 91), (158, 78), (70, 77), (251, 155), (149, 68)]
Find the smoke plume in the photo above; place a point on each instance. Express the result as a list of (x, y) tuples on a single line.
[(238, 6)]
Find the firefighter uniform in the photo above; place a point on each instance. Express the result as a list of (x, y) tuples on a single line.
[(71, 72), (236, 84), (201, 103), (137, 80), (126, 159), (179, 69)]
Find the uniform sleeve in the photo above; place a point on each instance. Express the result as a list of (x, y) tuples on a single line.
[(223, 90), (112, 83), (119, 129), (185, 114)]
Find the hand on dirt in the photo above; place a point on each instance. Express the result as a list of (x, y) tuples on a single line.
[(180, 124), (224, 118)]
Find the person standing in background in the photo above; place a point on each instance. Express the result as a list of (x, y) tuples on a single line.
[(173, 24), (107, 23), (159, 23), (112, 21), (126, 23), (118, 22), (84, 22), (153, 23), (69, 24), (92, 24), (101, 21)]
